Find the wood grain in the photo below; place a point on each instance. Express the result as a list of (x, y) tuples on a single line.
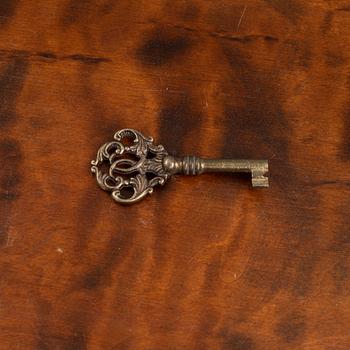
[(206, 262)]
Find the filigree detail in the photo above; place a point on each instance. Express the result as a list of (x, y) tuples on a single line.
[(129, 166)]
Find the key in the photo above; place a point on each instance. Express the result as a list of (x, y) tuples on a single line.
[(130, 166)]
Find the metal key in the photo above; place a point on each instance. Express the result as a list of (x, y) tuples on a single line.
[(135, 165)]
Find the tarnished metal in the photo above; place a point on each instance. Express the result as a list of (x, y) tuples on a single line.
[(135, 165)]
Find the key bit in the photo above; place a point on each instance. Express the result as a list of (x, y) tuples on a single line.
[(131, 165)]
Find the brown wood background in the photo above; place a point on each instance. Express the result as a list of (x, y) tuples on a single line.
[(204, 263)]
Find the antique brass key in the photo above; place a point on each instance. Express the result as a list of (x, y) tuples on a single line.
[(136, 165)]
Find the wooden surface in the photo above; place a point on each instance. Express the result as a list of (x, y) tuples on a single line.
[(206, 262)]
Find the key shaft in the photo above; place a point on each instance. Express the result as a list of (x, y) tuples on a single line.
[(193, 165)]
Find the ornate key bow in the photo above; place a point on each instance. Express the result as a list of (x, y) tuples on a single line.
[(135, 165)]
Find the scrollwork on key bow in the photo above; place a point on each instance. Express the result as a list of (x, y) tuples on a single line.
[(136, 165)]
